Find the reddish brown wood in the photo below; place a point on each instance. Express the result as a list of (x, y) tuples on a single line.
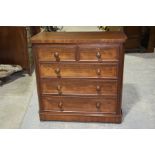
[(56, 53), (98, 53), (79, 104), (82, 117), (14, 47), (79, 81), (80, 37), (89, 70), (78, 86)]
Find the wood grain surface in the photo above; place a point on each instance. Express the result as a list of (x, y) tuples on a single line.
[(79, 37), (79, 75)]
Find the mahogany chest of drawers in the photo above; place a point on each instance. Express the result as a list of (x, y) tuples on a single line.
[(79, 75)]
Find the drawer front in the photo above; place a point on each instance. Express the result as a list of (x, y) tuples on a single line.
[(78, 86), (93, 53), (56, 53), (78, 70), (79, 104)]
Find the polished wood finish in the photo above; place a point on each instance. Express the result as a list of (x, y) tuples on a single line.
[(80, 104), (79, 87), (79, 75), (80, 37), (15, 47), (81, 117), (66, 70), (99, 53), (56, 53)]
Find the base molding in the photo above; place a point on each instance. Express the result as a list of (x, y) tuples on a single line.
[(80, 117)]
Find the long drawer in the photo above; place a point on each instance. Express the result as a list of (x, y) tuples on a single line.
[(79, 104), (86, 70), (78, 86)]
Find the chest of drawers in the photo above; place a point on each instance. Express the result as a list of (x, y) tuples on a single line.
[(79, 75)]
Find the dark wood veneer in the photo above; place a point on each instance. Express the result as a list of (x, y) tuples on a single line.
[(15, 47)]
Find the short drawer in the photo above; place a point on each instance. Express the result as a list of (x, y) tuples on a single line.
[(79, 104), (78, 70), (98, 53), (56, 53), (78, 87)]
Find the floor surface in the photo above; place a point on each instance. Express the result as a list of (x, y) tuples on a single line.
[(138, 103), (15, 97)]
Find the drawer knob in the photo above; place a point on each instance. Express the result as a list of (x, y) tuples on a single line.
[(98, 71), (56, 55), (98, 55), (60, 105), (57, 71), (98, 105), (98, 88), (59, 89)]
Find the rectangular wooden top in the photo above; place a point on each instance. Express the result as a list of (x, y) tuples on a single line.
[(79, 37)]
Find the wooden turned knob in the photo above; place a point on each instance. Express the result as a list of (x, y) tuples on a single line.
[(56, 55), (60, 105), (98, 55), (98, 105), (59, 89), (57, 71), (98, 71), (98, 88)]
